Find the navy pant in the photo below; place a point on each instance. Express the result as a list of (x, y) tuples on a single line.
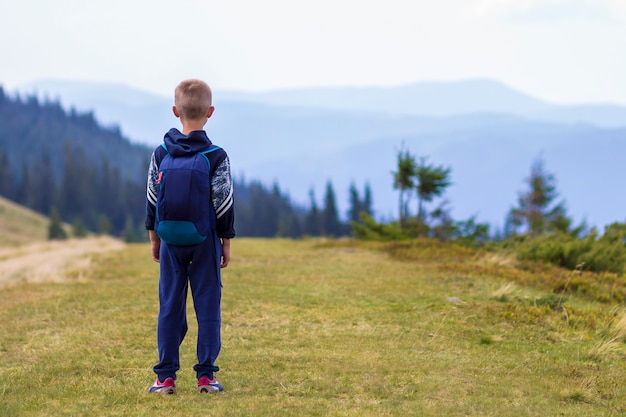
[(198, 265)]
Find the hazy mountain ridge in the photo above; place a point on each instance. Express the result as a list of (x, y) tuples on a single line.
[(426, 99), (487, 133)]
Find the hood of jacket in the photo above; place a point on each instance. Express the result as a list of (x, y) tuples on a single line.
[(178, 144)]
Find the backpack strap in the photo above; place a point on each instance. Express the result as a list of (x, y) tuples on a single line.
[(211, 149), (207, 152)]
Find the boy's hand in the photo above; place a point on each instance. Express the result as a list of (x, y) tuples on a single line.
[(155, 244), (225, 253)]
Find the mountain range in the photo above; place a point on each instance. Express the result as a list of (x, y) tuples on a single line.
[(487, 133)]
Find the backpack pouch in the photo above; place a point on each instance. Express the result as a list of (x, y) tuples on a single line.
[(179, 232)]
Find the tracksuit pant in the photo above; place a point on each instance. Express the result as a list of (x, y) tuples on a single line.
[(198, 265)]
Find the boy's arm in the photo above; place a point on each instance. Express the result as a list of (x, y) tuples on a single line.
[(151, 192), (223, 202), (155, 245), (222, 196), (225, 253)]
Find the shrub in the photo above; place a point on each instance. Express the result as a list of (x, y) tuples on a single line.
[(55, 229), (466, 233), (370, 229), (604, 254)]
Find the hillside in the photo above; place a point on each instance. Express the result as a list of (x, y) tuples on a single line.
[(27, 256), (34, 127), (20, 226), (52, 158)]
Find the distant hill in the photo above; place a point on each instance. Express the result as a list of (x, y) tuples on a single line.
[(486, 132), (144, 117), (424, 99), (440, 99)]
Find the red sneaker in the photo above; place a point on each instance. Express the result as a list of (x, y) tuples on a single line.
[(166, 387), (209, 385)]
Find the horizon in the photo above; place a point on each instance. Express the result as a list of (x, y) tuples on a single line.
[(32, 87), (559, 51), (364, 137)]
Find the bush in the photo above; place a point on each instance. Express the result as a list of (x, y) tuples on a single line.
[(467, 233), (370, 229), (79, 230), (604, 254), (55, 229)]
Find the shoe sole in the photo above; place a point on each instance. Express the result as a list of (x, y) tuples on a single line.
[(164, 391), (208, 389)]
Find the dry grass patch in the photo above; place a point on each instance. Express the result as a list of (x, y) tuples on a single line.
[(51, 261)]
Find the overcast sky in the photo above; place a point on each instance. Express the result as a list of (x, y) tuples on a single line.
[(564, 51)]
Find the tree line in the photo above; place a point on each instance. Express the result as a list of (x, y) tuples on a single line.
[(262, 211), (102, 201), (65, 165), (91, 198)]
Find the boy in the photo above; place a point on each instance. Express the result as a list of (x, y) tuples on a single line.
[(182, 261)]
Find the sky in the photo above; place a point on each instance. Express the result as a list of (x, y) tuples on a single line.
[(563, 51)]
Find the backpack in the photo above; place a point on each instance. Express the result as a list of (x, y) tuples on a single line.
[(184, 210)]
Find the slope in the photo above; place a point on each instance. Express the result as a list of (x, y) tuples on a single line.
[(19, 225), (26, 256)]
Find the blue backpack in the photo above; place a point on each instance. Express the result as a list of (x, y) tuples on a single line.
[(184, 210)]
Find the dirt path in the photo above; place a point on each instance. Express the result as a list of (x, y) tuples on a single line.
[(52, 261)]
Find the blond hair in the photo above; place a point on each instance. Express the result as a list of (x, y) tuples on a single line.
[(193, 99)]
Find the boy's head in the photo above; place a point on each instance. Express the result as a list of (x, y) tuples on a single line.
[(193, 100)]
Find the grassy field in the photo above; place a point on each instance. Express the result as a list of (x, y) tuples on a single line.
[(319, 328)]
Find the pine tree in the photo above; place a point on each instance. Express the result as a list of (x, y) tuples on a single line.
[(55, 230), (355, 204), (43, 183), (27, 191), (358, 205), (130, 232), (535, 208), (6, 177), (430, 182), (104, 224), (367, 200), (331, 225), (78, 229), (313, 226)]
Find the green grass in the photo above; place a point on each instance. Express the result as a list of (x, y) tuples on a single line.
[(314, 328)]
